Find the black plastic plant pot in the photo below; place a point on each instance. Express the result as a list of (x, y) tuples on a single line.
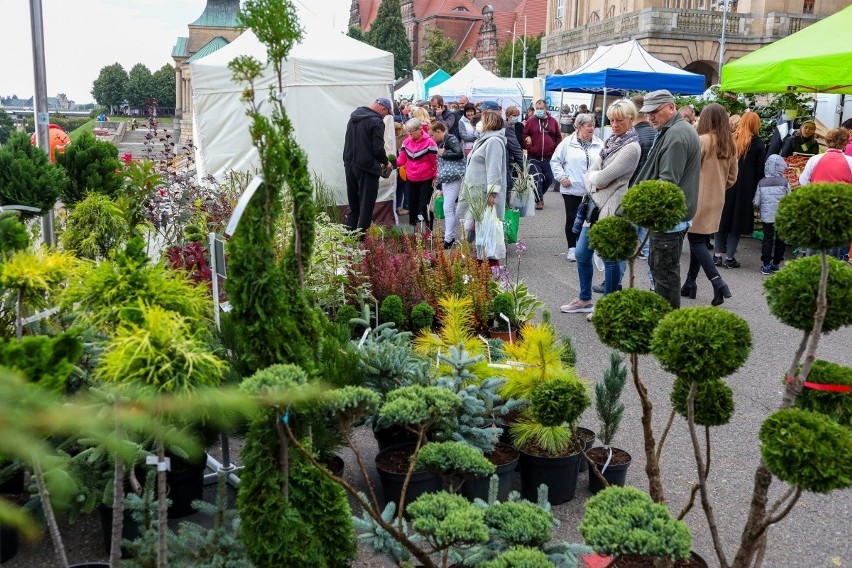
[(393, 436), (421, 481), (14, 485), (588, 437), (130, 528), (615, 473), (478, 486), (9, 541), (559, 474), (186, 484)]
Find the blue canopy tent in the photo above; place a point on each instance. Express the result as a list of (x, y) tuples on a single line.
[(615, 69)]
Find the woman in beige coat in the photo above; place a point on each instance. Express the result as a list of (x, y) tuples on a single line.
[(718, 173)]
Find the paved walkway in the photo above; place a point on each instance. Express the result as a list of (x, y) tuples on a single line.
[(145, 143)]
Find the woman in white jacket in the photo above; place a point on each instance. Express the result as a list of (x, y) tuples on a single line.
[(570, 162)]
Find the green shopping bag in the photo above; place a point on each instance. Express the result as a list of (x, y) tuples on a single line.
[(439, 207), (511, 220)]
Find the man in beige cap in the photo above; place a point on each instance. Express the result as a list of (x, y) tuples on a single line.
[(674, 157)]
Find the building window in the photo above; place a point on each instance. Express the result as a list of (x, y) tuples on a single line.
[(560, 8), (610, 11), (808, 7), (460, 9)]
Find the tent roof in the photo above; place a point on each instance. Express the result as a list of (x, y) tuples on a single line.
[(626, 67), (435, 79), (815, 59), (471, 75)]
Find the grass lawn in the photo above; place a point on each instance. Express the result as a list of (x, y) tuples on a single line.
[(77, 132)]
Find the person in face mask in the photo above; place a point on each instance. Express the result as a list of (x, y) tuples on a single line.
[(541, 137), (514, 153)]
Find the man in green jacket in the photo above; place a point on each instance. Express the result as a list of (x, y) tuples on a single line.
[(675, 157)]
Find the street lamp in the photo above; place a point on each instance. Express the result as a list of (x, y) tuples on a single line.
[(726, 5), (524, 44)]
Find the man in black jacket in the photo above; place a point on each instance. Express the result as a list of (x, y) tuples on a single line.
[(364, 160)]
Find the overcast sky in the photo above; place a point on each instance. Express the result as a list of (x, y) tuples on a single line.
[(84, 36)]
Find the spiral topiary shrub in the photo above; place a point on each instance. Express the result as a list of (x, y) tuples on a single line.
[(624, 520), (714, 401), (392, 310), (626, 320), (520, 557), (807, 449), (701, 343), (792, 291), (614, 238), (816, 216), (422, 317), (835, 405), (654, 204)]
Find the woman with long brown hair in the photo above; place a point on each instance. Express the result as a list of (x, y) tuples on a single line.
[(738, 212), (718, 173)]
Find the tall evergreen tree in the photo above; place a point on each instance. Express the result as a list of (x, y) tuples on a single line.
[(110, 88), (356, 32), (388, 33)]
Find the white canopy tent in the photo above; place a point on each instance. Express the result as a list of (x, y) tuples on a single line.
[(326, 77), (478, 84)]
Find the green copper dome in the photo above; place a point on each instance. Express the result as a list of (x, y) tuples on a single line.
[(219, 14)]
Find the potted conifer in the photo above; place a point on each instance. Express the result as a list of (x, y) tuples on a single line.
[(612, 463)]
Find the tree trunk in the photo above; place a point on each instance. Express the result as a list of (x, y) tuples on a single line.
[(49, 517), (652, 465), (117, 513)]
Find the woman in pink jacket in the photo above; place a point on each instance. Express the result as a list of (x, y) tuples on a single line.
[(419, 155)]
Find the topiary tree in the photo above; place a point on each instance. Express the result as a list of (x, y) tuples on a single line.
[(626, 320), (454, 462), (614, 238), (807, 450), (392, 311), (422, 317), (520, 557), (624, 520), (553, 404), (713, 400), (90, 165), (445, 520), (818, 217), (792, 292), (654, 204), (836, 403), (503, 303), (26, 175)]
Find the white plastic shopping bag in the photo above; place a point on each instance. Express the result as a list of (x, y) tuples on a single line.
[(490, 240)]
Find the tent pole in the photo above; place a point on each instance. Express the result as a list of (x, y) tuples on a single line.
[(561, 101), (603, 113)]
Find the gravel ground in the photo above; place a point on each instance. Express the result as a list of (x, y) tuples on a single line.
[(815, 534)]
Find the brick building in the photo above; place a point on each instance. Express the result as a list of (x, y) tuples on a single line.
[(478, 26)]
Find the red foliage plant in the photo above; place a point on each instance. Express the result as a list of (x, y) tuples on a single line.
[(392, 265), (191, 257)]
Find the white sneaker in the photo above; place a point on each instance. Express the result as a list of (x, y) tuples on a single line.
[(578, 306), (590, 315), (570, 255)]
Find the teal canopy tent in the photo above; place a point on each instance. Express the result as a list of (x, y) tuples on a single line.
[(817, 59)]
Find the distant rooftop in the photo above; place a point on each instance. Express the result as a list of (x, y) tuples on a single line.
[(219, 14), (214, 44), (181, 47)]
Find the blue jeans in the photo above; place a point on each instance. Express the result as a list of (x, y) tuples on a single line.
[(613, 271)]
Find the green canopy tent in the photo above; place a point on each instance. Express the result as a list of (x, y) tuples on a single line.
[(817, 59)]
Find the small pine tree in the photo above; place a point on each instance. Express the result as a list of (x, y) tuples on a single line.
[(26, 175), (90, 165), (607, 396), (393, 311)]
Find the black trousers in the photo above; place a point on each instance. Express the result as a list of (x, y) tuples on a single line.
[(665, 265), (700, 257), (362, 188), (772, 248), (572, 202), (419, 194)]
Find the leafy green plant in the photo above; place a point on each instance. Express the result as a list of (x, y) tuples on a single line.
[(13, 234), (422, 317), (654, 204), (46, 361), (446, 520), (393, 311), (801, 103), (624, 520), (835, 405), (816, 216), (334, 277), (607, 398), (26, 175), (614, 238), (701, 343), (95, 227), (807, 449), (626, 320), (90, 165), (520, 556), (792, 291), (714, 401)]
